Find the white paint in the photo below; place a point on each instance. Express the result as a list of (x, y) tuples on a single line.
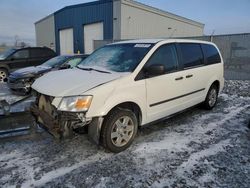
[(72, 81), (92, 32), (66, 41), (125, 89)]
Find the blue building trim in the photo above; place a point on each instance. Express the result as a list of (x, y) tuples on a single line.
[(76, 16)]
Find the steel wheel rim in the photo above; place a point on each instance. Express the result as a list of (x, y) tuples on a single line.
[(212, 97), (122, 131), (3, 75)]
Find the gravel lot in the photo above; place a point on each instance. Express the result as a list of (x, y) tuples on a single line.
[(197, 148)]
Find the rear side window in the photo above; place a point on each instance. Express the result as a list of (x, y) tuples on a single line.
[(41, 52), (211, 54), (49, 52), (165, 55), (191, 54)]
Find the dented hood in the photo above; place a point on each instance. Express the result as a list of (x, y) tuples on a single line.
[(72, 82)]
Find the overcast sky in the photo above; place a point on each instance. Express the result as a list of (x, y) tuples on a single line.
[(17, 17)]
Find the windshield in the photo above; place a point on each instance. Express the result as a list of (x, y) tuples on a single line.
[(7, 53), (56, 61), (117, 57)]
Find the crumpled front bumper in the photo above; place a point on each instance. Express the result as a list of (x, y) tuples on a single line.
[(20, 86), (46, 121), (62, 124), (55, 127)]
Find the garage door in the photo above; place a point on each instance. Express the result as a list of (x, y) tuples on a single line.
[(66, 41), (92, 32)]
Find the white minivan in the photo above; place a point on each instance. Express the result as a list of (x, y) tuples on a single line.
[(128, 84)]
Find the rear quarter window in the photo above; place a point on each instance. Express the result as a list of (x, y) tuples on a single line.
[(191, 54), (211, 54), (41, 52)]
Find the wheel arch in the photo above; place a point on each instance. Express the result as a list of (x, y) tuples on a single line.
[(129, 105), (217, 84), (5, 67)]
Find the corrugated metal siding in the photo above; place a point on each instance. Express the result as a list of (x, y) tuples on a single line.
[(139, 21), (77, 16), (45, 32)]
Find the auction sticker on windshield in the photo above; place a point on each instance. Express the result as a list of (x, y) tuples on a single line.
[(142, 45)]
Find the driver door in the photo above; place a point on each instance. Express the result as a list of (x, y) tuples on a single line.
[(163, 90)]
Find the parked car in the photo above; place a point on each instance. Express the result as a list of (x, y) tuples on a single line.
[(13, 59), (129, 84), (20, 81)]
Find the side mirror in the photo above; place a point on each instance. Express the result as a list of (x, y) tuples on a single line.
[(65, 66), (155, 70)]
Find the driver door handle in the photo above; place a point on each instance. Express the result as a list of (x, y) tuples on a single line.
[(189, 76), (179, 78)]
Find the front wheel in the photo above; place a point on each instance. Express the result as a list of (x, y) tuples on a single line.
[(3, 75), (211, 98), (119, 130)]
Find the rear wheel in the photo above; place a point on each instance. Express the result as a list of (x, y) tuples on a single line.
[(211, 98), (119, 130), (3, 75)]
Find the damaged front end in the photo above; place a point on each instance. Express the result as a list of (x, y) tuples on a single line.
[(20, 86), (59, 123)]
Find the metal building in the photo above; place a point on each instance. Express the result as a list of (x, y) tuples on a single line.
[(74, 28)]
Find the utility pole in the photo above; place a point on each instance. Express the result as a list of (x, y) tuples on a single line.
[(212, 35)]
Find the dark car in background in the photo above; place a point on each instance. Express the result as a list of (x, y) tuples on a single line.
[(13, 59), (20, 80)]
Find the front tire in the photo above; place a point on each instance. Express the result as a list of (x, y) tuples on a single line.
[(211, 98), (119, 130)]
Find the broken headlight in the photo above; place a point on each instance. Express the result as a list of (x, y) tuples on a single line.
[(75, 103)]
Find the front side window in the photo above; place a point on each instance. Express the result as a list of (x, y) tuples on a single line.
[(21, 54), (211, 54), (166, 55), (6, 54), (117, 57), (191, 54), (74, 62), (56, 61)]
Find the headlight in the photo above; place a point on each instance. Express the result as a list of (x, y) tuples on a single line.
[(75, 104)]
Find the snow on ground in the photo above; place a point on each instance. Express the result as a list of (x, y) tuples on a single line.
[(197, 148)]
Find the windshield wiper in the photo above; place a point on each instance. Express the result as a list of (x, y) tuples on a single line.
[(91, 69)]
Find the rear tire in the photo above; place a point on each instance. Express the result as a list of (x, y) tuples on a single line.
[(211, 98), (119, 130), (3, 75)]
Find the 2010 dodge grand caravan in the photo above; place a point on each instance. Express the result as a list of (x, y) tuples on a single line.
[(128, 84)]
